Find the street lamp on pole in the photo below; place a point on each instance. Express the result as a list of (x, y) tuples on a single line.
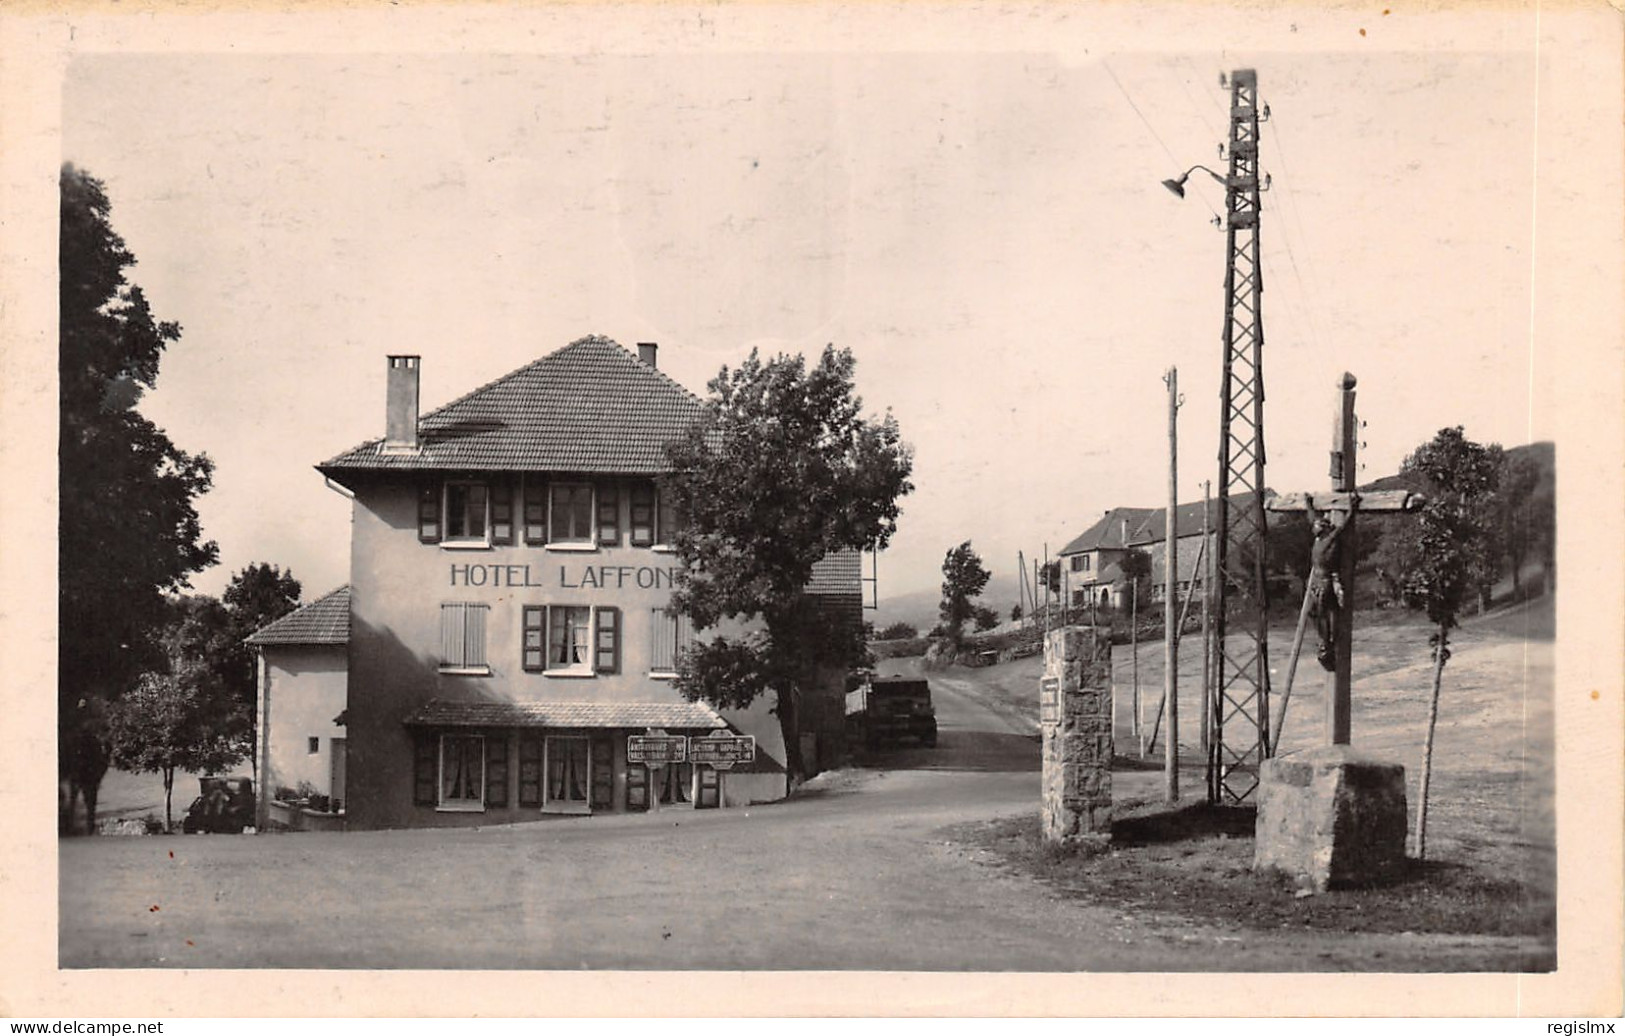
[(1178, 186)]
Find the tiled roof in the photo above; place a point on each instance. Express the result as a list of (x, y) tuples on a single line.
[(1147, 525), (590, 407), (839, 573), (325, 620), (574, 714), (1108, 532)]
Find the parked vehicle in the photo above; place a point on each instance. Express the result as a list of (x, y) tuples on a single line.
[(882, 710), (226, 806)]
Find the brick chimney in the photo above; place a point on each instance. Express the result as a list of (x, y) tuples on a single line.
[(646, 353), (401, 404)]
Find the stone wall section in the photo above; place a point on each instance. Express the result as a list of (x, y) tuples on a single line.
[(1075, 715)]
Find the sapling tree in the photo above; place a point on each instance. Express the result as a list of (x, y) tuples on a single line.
[(963, 578), (1136, 568), (1445, 555), (781, 470)]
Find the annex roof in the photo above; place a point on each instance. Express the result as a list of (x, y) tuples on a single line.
[(572, 714), (325, 620), (591, 407), (838, 573)]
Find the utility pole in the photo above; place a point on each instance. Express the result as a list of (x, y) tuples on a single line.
[(1239, 740), (1170, 597), (1207, 632)]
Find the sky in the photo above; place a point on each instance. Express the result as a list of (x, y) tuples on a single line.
[(982, 226)]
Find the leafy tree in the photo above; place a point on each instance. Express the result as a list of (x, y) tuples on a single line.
[(899, 631), (963, 578), (1448, 554), (186, 716), (1016, 613), (1049, 576), (1527, 515), (780, 471), (128, 531), (986, 618)]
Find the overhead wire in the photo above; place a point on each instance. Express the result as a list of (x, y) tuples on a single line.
[(1174, 159)]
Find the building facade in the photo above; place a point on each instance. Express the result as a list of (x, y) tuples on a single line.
[(1090, 563), (302, 690), (511, 575)]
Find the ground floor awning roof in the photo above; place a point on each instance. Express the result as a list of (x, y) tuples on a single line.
[(633, 715)]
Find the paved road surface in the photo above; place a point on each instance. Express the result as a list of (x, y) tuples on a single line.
[(853, 873)]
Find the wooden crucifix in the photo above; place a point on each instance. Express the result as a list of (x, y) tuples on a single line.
[(1331, 577)]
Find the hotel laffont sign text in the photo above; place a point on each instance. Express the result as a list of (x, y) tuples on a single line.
[(585, 577)]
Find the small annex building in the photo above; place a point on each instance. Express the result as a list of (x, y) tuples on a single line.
[(302, 681), (511, 570)]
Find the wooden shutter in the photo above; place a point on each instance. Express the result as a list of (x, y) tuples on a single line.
[(530, 770), (502, 511), (643, 514), (607, 653), (637, 788), (425, 771), (534, 638), (496, 769), (609, 515), (474, 634), (429, 513), (535, 505), (453, 624), (603, 775)]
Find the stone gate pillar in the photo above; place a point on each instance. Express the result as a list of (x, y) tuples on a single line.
[(1075, 714)]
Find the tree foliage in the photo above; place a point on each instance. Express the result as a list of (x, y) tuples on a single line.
[(185, 716), (1450, 549), (128, 531), (1526, 513), (1136, 568), (898, 631), (781, 471), (963, 578)]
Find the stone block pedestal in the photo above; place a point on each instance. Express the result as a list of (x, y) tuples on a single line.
[(1330, 817), (1075, 715)]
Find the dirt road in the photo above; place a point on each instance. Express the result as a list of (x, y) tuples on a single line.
[(853, 873)]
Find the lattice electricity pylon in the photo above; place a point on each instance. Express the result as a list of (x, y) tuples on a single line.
[(1241, 699)]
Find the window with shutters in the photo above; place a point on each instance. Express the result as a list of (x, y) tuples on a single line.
[(462, 773), (468, 515), (668, 520), (462, 638), (570, 640), (655, 519), (570, 515), (670, 634)]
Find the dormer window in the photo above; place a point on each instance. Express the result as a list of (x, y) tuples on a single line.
[(468, 506)]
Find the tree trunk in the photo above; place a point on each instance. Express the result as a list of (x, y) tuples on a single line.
[(1427, 748), (789, 729), (1134, 653), (169, 789)]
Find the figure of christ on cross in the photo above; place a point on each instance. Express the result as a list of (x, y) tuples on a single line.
[(1327, 598)]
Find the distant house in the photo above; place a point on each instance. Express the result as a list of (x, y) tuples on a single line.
[(303, 688), (1090, 564)]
